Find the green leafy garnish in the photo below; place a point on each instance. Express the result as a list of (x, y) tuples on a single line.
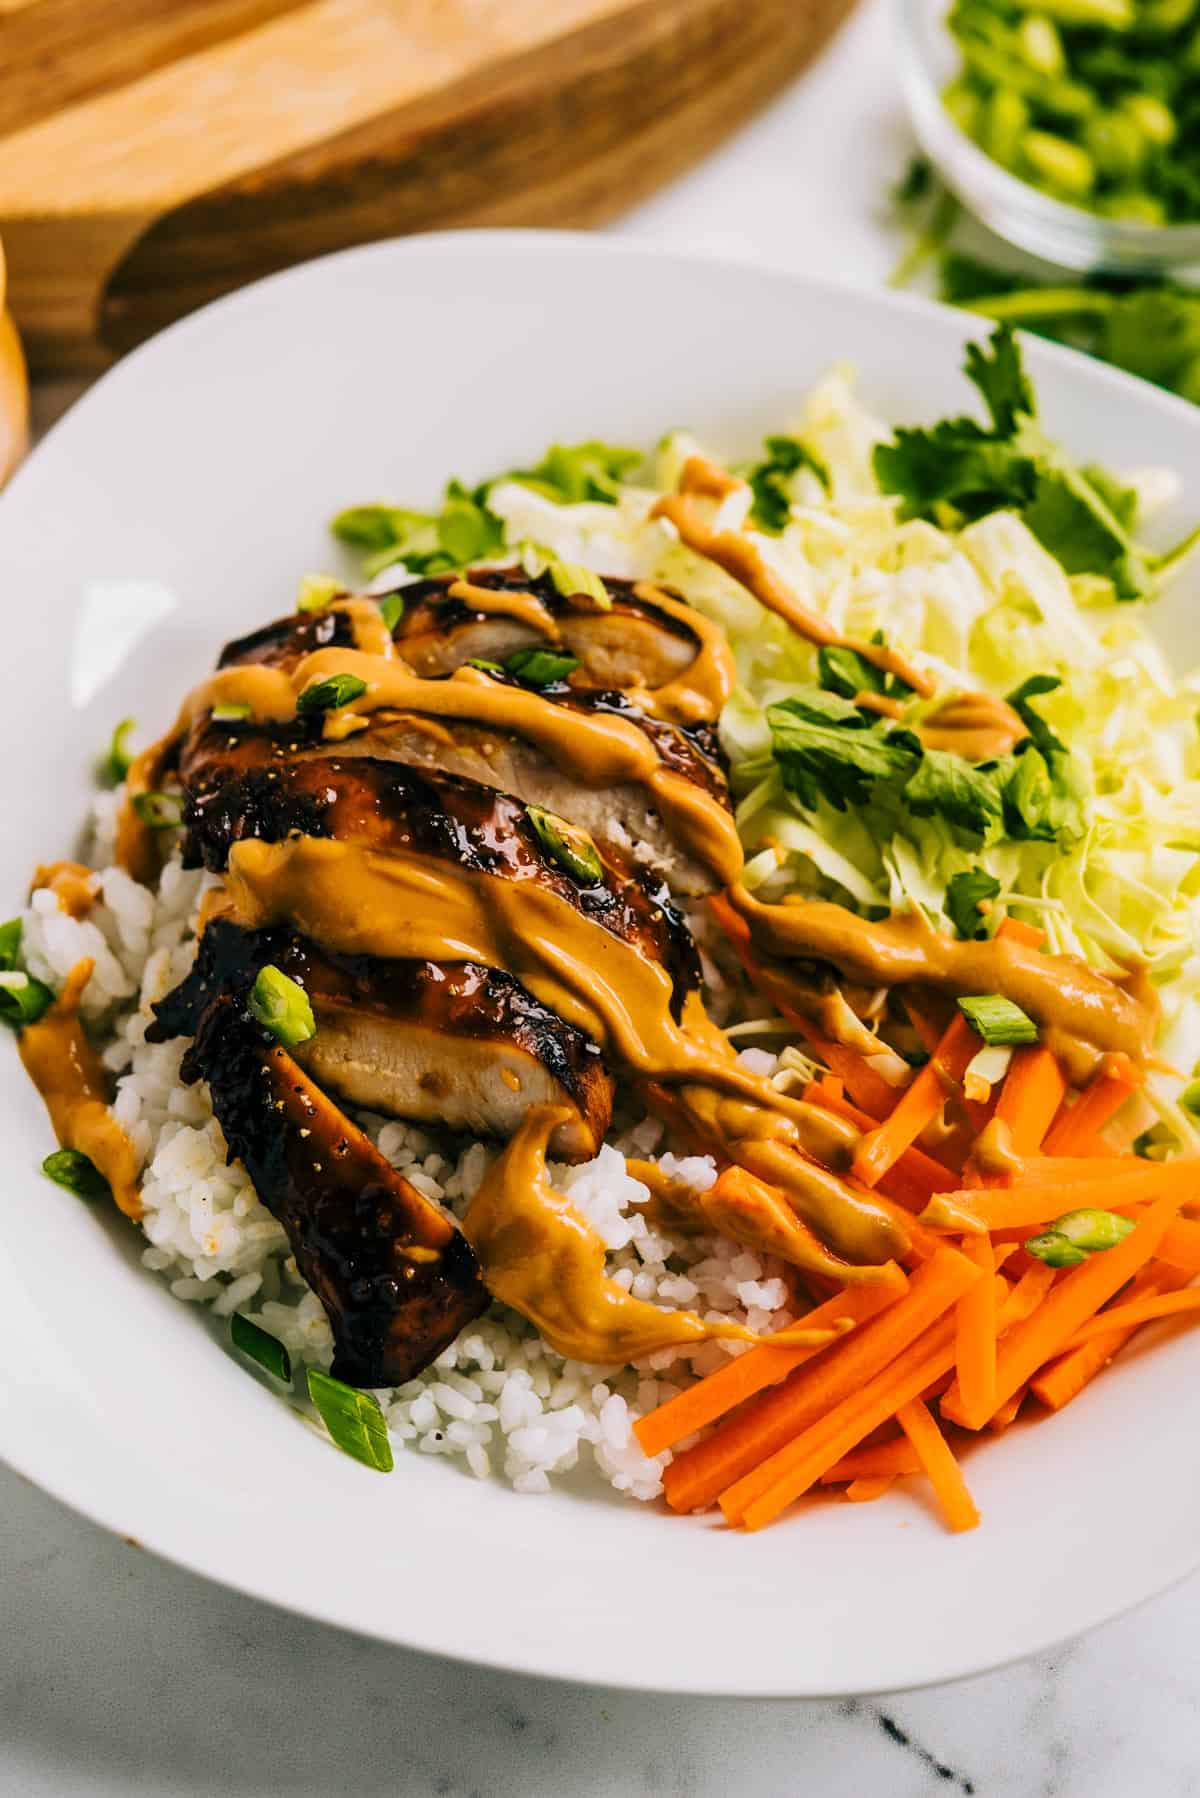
[(998, 1021), (161, 811), (261, 1346), (22, 998), (118, 757), (769, 480), (965, 894), (282, 1006), (569, 473), (330, 694), (10, 943), (77, 1172), (391, 609), (572, 848), (1044, 793), (486, 667), (845, 672), (317, 591), (825, 750), (572, 578), (1078, 1234), (231, 711), (975, 470), (354, 1419), (960, 792), (540, 667)]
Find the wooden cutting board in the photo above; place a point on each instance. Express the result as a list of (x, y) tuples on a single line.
[(156, 153)]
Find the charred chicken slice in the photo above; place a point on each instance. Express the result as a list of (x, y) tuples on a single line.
[(395, 1275), (452, 1044)]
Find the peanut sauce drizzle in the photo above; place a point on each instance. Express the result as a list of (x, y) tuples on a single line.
[(75, 887), (75, 1087), (526, 607), (733, 551)]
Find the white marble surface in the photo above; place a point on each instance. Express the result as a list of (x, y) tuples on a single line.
[(119, 1675)]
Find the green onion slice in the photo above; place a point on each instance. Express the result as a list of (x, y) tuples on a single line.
[(317, 591), (231, 712), (540, 667), (998, 1021), (485, 667), (22, 998), (570, 578), (161, 811), (1078, 1234), (570, 847), (77, 1172), (391, 609), (10, 943), (282, 1006), (262, 1347), (1055, 1250), (118, 758), (328, 695), (354, 1420)]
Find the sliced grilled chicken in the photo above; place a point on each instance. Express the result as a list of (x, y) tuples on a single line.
[(445, 1043), (622, 816), (250, 788), (394, 1273)]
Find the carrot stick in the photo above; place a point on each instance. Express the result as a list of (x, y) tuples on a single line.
[(758, 1368), (861, 1492), (1001, 1419), (958, 1507), (919, 1104), (1065, 1309), (1180, 1247), (1074, 1127), (1065, 1378), (915, 1177), (1021, 1207), (1032, 1092), (1026, 1295), (887, 1461), (975, 1349), (1139, 1311), (760, 1497), (1017, 932), (1088, 1170), (696, 1477)]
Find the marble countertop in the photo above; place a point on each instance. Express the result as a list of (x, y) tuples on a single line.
[(120, 1675)]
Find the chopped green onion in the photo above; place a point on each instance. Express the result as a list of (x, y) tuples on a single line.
[(231, 712), (77, 1172), (572, 848), (533, 559), (282, 1006), (262, 1347), (540, 667), (570, 578), (998, 1020), (22, 998), (317, 591), (1189, 1098), (328, 695), (10, 943), (161, 811), (1054, 1250), (486, 667), (354, 1419), (1078, 1234), (391, 609), (117, 760)]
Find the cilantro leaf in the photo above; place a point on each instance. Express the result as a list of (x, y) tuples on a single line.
[(999, 374), (571, 472), (955, 462), (962, 793), (838, 762), (964, 895), (768, 480), (845, 672), (820, 707)]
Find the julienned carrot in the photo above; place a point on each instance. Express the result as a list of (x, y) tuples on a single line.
[(975, 1347), (915, 1177), (1029, 935), (1090, 1170), (888, 1461), (1065, 1309), (1019, 1207), (1138, 1311), (1075, 1126), (697, 1476), (1021, 1302), (1065, 1378), (758, 1368), (863, 1492), (1180, 1247), (919, 1104), (1033, 1090), (759, 1498), (1001, 1419), (958, 1507), (865, 1084)]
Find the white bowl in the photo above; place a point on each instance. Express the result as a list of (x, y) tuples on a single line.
[(206, 466)]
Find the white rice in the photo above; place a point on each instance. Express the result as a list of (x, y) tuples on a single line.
[(499, 1401)]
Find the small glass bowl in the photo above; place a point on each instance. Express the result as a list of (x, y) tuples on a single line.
[(1026, 217)]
